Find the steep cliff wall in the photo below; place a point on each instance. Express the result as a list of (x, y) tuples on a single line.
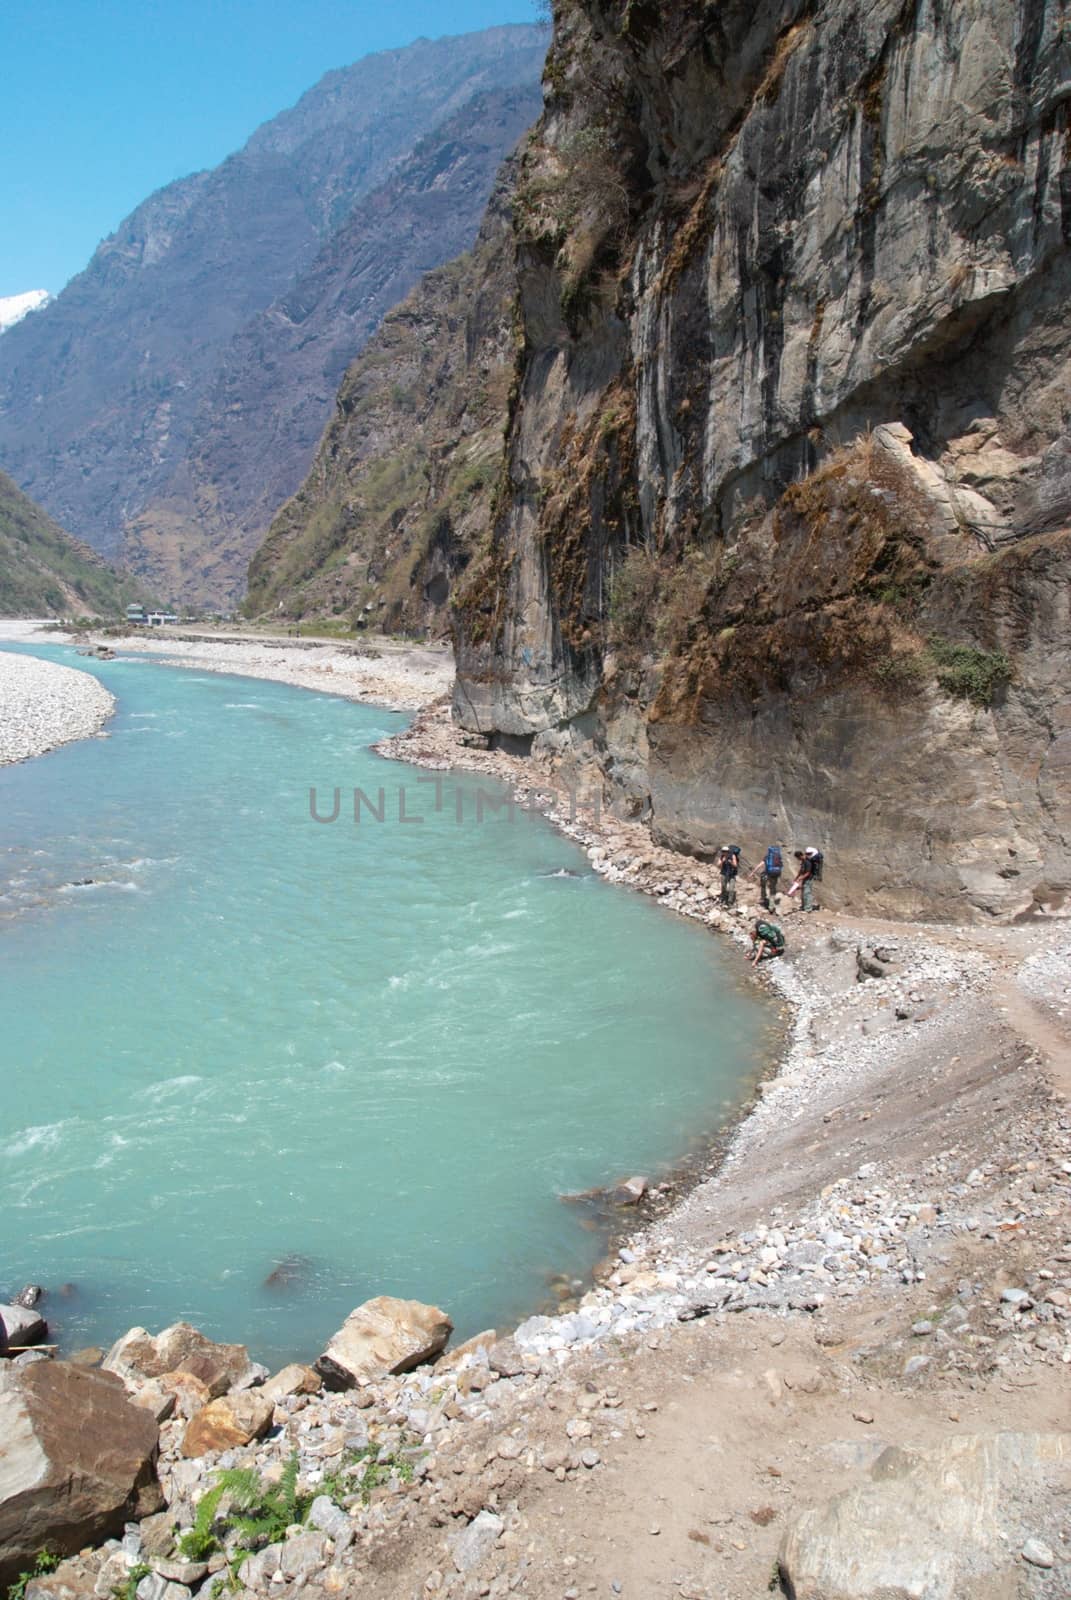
[(783, 538)]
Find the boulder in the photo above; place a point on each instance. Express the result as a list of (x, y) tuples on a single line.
[(926, 1522), (189, 1394), (77, 1461), (139, 1355), (234, 1419), (21, 1325), (294, 1379), (155, 1399), (631, 1192), (383, 1336)]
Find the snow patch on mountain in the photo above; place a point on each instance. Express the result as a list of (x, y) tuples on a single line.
[(14, 307)]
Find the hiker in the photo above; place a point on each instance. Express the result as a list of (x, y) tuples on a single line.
[(768, 942), (808, 873), (768, 871), (728, 866)]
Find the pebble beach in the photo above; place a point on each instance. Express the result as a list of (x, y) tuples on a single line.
[(43, 705)]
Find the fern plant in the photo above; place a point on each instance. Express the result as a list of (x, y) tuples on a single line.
[(258, 1513), (261, 1512), (203, 1539)]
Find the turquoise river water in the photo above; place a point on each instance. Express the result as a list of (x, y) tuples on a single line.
[(378, 1053)]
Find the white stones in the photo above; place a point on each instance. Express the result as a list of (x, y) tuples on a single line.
[(43, 704)]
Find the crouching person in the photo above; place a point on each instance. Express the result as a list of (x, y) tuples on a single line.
[(767, 942)]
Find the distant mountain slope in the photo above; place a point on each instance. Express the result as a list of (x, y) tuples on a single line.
[(259, 422), (398, 498), (44, 572), (102, 391)]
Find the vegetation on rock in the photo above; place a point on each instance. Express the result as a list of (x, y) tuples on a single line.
[(44, 572)]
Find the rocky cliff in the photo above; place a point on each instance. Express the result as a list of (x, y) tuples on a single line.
[(171, 397), (781, 544), (46, 573)]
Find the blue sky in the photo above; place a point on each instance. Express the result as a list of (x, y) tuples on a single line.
[(103, 101)]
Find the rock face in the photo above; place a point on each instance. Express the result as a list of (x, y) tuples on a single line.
[(383, 1336), (782, 543), (927, 1522), (76, 1461), (171, 397)]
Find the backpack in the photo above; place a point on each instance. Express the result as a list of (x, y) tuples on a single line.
[(771, 933), (774, 864), (815, 860)]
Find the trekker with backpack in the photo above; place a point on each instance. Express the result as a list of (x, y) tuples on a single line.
[(768, 871), (767, 941), (728, 866), (808, 873)]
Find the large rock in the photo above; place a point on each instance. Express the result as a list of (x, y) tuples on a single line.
[(235, 1419), (384, 1335), (138, 1356), (21, 1325), (77, 1461), (294, 1379), (927, 1525)]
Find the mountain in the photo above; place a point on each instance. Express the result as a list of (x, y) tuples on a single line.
[(46, 573), (256, 429), (778, 540), (104, 393), (14, 307), (398, 494)]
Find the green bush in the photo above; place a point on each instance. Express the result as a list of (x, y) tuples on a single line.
[(967, 673), (45, 1561)]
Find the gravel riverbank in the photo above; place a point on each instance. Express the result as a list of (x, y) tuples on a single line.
[(43, 705), (378, 672)]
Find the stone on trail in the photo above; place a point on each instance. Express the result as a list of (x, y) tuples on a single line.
[(473, 1544), (154, 1587), (329, 1518), (233, 1419), (77, 1461), (139, 1355), (383, 1336), (925, 1522)]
